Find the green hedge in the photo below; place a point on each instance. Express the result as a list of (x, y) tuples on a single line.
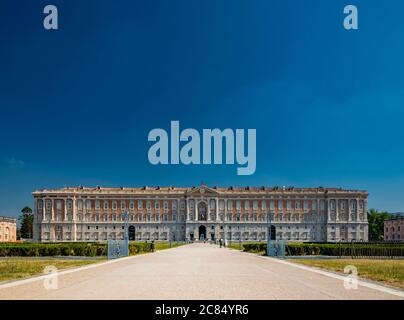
[(72, 249), (334, 249), (50, 249)]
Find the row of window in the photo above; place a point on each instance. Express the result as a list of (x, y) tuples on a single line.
[(229, 217), (87, 204), (392, 229)]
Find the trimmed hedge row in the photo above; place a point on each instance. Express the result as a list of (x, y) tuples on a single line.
[(333, 249), (71, 249), (50, 249)]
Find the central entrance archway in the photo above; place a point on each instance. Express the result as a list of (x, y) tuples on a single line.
[(202, 233), (131, 233)]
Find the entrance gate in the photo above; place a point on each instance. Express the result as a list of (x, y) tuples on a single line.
[(132, 233), (202, 233)]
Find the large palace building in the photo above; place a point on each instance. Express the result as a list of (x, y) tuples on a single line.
[(200, 213)]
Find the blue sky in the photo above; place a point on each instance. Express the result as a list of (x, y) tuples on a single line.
[(77, 103)]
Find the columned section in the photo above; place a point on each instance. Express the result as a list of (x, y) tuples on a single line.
[(200, 214)]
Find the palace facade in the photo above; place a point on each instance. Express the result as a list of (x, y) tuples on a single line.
[(8, 229), (200, 213)]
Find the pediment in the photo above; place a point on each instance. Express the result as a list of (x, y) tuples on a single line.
[(204, 191)]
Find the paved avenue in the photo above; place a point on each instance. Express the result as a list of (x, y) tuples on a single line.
[(196, 271)]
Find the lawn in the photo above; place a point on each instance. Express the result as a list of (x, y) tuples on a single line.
[(390, 272), (18, 268)]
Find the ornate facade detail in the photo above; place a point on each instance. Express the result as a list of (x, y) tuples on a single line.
[(200, 213)]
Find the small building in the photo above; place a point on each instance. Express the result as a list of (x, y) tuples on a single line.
[(8, 229), (394, 229)]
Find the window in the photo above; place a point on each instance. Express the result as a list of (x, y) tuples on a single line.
[(246, 205), (105, 205), (297, 205), (88, 205), (255, 205), (263, 205), (59, 205), (305, 205), (174, 203), (97, 204), (165, 205), (238, 205), (212, 204), (157, 205), (314, 204), (288, 205), (280, 205), (49, 204), (132, 205), (140, 204), (148, 205), (191, 204), (114, 205), (221, 204), (272, 205), (182, 205), (229, 205), (123, 205)]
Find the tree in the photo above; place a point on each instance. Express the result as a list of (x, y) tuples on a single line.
[(26, 221), (376, 224)]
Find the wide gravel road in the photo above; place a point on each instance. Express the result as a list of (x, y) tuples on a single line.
[(196, 271)]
